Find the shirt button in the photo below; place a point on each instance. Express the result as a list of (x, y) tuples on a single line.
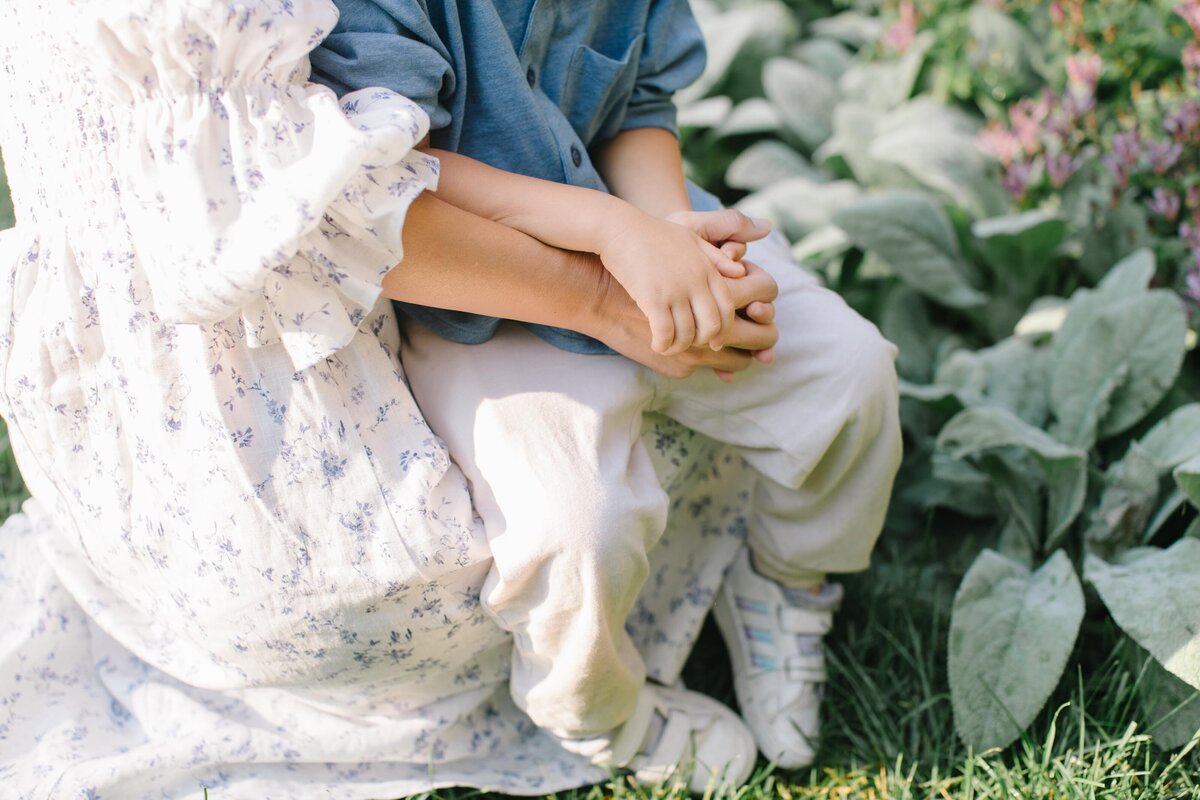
[(576, 155), (531, 77)]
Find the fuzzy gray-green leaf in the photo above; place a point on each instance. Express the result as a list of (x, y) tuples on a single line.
[(1187, 476), (945, 161), (1156, 600), (1011, 632), (911, 232), (977, 431), (804, 98), (1175, 439), (1020, 245), (1011, 374), (768, 162), (1171, 708), (1130, 491), (1127, 352), (799, 206)]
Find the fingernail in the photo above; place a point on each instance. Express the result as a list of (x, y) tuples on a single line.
[(760, 222)]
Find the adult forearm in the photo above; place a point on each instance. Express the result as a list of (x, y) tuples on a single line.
[(643, 166)]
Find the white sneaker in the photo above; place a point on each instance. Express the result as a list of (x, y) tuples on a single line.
[(778, 660), (672, 732)]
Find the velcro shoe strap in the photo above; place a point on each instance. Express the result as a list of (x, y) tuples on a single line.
[(803, 622), (809, 669), (672, 747), (629, 737)]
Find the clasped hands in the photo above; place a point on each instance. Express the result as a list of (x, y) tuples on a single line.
[(704, 305)]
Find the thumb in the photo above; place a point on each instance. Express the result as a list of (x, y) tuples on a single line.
[(729, 224)]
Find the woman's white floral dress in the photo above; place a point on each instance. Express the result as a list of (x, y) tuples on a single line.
[(248, 565)]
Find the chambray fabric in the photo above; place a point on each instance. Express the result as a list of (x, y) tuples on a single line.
[(528, 86)]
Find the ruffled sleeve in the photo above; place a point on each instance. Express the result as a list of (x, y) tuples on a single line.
[(249, 191)]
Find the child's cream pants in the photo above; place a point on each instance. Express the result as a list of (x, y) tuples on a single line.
[(550, 441)]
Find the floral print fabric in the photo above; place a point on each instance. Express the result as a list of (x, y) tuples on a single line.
[(249, 565)]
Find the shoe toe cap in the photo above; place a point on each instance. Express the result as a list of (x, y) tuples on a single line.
[(789, 741), (726, 755)]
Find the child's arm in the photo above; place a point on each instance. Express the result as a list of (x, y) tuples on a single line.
[(643, 166), (673, 274)]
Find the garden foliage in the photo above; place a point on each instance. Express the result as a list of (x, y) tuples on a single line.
[(1011, 192)]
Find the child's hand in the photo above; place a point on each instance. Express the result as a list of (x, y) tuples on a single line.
[(729, 229), (618, 322), (675, 277)]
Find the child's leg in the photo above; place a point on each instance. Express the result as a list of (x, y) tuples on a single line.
[(550, 442), (820, 425)]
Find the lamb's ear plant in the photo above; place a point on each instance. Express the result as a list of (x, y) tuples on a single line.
[(1052, 433), (1042, 418)]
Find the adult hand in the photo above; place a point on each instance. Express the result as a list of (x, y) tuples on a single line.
[(619, 323)]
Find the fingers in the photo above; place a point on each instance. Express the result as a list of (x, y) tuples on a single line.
[(726, 224), (710, 320), (735, 250), (753, 336), (728, 360), (724, 264), (763, 313), (726, 309), (662, 330), (685, 330), (757, 286)]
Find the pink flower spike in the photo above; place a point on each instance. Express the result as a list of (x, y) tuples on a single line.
[(1166, 204), (1190, 11), (1116, 167), (1192, 283), (1191, 56), (1163, 155), (1127, 147), (1060, 167), (1190, 234), (901, 34), (1183, 123), (1083, 70), (1057, 15), (1017, 178), (1026, 118), (999, 142), (1077, 102)]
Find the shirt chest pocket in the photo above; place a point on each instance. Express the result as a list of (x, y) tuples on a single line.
[(597, 89)]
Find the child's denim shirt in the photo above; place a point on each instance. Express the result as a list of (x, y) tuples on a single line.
[(527, 86)]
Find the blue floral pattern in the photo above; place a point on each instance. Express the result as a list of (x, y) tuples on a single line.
[(249, 565)]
